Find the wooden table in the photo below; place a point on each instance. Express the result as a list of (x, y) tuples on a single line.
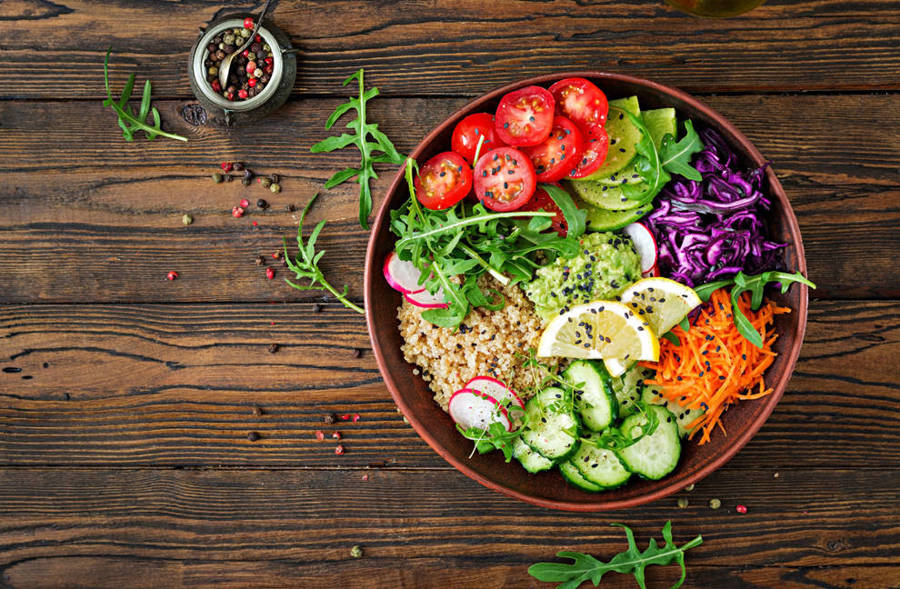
[(127, 401)]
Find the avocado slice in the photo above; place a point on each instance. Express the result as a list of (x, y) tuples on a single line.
[(598, 219), (604, 196), (623, 136)]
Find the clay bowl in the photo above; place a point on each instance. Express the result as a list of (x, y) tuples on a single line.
[(548, 489)]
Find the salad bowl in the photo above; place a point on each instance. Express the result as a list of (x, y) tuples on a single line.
[(549, 489)]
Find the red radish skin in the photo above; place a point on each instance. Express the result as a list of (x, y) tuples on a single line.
[(403, 276), (652, 272), (471, 408), (426, 300), (495, 388), (644, 244)]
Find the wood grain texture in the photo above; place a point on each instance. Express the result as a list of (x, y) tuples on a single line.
[(109, 213), (458, 48), (176, 385), (420, 529)]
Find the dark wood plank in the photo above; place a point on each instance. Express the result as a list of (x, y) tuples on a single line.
[(176, 385), (468, 49), (81, 202), (422, 529)]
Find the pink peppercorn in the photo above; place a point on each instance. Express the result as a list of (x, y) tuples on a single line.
[(336, 435), (237, 212), (245, 203), (251, 66), (741, 508), (172, 275), (365, 477), (339, 450), (248, 23), (243, 93), (320, 435), (251, 82), (355, 417), (226, 166), (270, 273)]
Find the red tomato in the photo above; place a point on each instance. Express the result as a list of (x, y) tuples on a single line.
[(581, 101), (596, 144), (443, 181), (542, 200), (504, 179), (559, 153), (469, 131), (525, 116)]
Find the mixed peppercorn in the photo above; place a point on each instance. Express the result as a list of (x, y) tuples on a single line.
[(250, 71)]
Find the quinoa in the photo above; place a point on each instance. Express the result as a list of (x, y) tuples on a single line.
[(487, 343)]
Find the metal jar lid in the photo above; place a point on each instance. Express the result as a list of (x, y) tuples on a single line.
[(276, 92)]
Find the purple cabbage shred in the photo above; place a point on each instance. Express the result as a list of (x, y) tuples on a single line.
[(713, 229)]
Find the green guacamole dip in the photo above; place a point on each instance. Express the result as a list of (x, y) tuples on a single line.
[(606, 266)]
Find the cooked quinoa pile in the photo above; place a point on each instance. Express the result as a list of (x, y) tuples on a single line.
[(488, 343)]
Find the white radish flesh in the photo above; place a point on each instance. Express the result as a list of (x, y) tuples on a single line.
[(426, 300), (470, 408), (644, 245), (401, 275), (493, 387)]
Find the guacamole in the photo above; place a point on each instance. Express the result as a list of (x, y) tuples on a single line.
[(606, 266)]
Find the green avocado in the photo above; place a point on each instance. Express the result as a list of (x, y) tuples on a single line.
[(623, 136), (603, 196)]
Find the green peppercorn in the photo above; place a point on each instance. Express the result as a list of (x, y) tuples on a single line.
[(266, 47), (265, 182), (245, 33), (356, 551), (682, 503), (715, 504), (689, 487), (229, 39), (217, 177), (276, 188), (213, 71), (187, 219)]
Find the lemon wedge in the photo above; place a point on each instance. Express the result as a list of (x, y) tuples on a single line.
[(661, 302), (597, 330)]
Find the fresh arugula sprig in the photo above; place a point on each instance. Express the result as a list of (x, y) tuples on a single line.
[(675, 155), (306, 264), (128, 121), (630, 562), (496, 437), (654, 166), (367, 138), (613, 439), (756, 285)]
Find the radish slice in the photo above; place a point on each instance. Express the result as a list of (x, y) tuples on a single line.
[(426, 300), (654, 271), (644, 244), (470, 408), (493, 387), (401, 275)]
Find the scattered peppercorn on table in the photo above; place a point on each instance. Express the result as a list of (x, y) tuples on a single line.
[(174, 414)]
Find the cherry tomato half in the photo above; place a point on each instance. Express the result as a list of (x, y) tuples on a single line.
[(558, 154), (443, 181), (542, 200), (596, 144), (525, 116), (581, 101), (468, 133), (504, 179)]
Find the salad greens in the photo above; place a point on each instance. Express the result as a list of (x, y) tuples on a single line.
[(676, 156), (632, 561), (128, 121), (755, 285), (306, 264), (468, 240), (495, 437), (367, 138)]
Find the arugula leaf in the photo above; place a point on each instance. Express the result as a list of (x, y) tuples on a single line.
[(575, 217), (367, 138), (632, 561), (306, 264), (128, 122), (755, 284), (675, 156), (649, 166)]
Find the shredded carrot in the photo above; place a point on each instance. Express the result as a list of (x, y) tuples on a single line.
[(715, 366)]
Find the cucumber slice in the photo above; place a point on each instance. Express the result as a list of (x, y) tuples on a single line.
[(600, 466), (629, 387), (598, 219), (604, 196), (552, 428), (683, 416), (656, 455), (571, 473), (623, 136), (594, 400), (530, 460), (660, 122)]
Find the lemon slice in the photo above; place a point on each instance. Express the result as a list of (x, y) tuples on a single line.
[(661, 302), (616, 367), (602, 329)]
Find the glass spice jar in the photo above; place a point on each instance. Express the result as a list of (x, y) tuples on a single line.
[(260, 79)]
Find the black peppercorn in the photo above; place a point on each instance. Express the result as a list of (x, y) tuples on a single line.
[(246, 181), (228, 177), (276, 178), (260, 261), (330, 419), (253, 436), (292, 208), (357, 352), (257, 410), (238, 166), (261, 203), (273, 348)]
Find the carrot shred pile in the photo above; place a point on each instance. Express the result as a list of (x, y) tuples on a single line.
[(715, 366)]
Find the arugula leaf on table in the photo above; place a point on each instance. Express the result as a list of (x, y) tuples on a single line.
[(632, 561), (675, 156), (128, 121), (496, 437), (306, 264), (367, 138), (755, 284)]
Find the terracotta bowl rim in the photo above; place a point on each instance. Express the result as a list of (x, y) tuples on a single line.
[(738, 441)]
